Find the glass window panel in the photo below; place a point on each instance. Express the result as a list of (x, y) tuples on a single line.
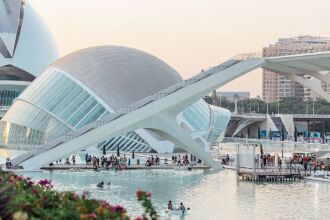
[(74, 106), (60, 95), (67, 100)]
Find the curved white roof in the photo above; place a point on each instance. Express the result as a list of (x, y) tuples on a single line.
[(118, 75), (26, 44)]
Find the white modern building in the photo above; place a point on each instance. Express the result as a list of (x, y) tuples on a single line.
[(94, 83), (26, 49), (157, 112)]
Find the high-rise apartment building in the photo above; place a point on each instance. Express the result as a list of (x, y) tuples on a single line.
[(276, 86)]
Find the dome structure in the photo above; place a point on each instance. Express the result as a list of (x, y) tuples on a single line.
[(118, 75), (95, 82), (26, 49)]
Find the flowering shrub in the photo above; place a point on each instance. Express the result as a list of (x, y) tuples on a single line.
[(21, 198), (144, 198)]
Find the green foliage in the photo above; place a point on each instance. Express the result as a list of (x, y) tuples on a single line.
[(144, 198), (289, 105), (21, 198)]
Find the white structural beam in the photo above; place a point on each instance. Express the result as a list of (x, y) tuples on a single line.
[(241, 125), (290, 73), (322, 59), (304, 66), (185, 97), (169, 105), (320, 76), (165, 125), (162, 110), (312, 84)]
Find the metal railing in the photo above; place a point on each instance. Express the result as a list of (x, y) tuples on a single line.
[(298, 51), (310, 116), (245, 56), (123, 111), (283, 52)]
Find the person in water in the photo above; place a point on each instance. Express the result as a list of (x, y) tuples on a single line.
[(170, 205), (182, 208), (100, 185)]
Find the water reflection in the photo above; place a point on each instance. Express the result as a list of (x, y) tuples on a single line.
[(210, 195)]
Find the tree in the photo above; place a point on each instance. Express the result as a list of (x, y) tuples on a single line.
[(288, 105)]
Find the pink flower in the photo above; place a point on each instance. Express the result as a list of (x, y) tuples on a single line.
[(139, 193), (85, 194), (30, 183), (45, 183), (75, 196), (92, 215), (117, 208), (105, 205)]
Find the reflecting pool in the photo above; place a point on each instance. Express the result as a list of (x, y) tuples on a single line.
[(210, 195)]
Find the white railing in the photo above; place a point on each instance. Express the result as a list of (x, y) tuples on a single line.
[(245, 56), (310, 116), (72, 135), (283, 52), (307, 50)]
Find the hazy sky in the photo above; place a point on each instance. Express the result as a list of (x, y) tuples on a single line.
[(189, 35)]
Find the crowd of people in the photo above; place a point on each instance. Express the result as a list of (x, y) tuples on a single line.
[(153, 160), (180, 161), (308, 163), (297, 162), (225, 160), (268, 160), (107, 162), (113, 161)]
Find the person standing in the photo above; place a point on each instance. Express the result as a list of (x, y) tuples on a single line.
[(170, 205), (182, 208), (74, 159), (86, 158)]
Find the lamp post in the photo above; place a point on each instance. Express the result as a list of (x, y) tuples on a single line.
[(104, 152), (328, 165), (242, 107), (118, 153)]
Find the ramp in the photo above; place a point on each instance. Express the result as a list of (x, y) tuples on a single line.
[(150, 112)]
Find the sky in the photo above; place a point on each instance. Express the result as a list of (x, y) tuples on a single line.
[(189, 35)]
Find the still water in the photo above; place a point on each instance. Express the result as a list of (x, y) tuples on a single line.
[(210, 195)]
